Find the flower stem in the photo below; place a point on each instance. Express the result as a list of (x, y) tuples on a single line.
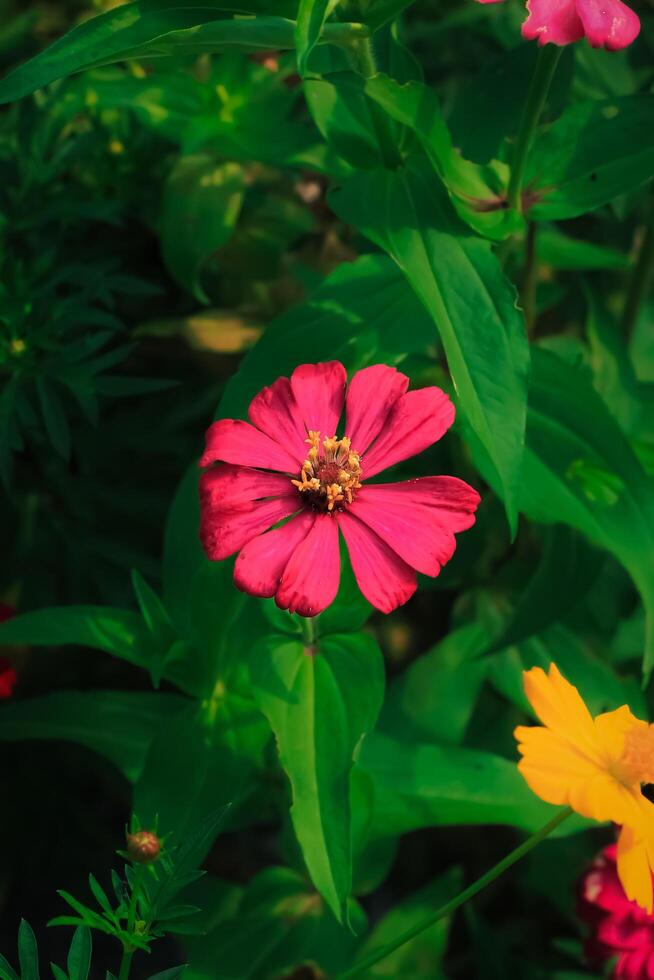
[(548, 59), (128, 951), (125, 964), (310, 632), (641, 280), (379, 954)]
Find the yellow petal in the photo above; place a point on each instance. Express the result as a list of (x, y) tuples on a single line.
[(634, 868), (560, 707), (611, 729), (560, 773)]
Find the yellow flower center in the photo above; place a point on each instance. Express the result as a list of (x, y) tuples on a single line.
[(637, 759), (331, 473)]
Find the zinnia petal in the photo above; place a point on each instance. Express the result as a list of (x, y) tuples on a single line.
[(261, 563), (553, 21), (371, 394), (384, 578), (275, 412), (417, 519), (319, 391), (608, 24), (224, 531), (226, 486), (417, 420), (309, 582), (234, 441)]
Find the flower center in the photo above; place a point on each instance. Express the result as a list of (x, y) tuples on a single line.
[(331, 473), (637, 757)]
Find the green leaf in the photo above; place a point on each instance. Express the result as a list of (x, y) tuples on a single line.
[(594, 153), (158, 622), (376, 13), (121, 33), (434, 698), (580, 470), (57, 972), (116, 631), (422, 956), (279, 923), (79, 955), (28, 952), (459, 280), (562, 252), (566, 571), (119, 725), (418, 785), (311, 17), (7, 972), (56, 423), (477, 192), (172, 974), (319, 708), (201, 205), (100, 895)]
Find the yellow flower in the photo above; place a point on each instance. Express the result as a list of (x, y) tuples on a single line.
[(596, 766)]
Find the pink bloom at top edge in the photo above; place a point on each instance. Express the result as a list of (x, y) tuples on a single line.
[(288, 462), (618, 927), (606, 24)]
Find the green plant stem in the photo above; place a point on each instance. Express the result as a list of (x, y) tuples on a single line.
[(641, 279), (126, 964), (128, 951), (461, 899), (548, 59), (310, 632)]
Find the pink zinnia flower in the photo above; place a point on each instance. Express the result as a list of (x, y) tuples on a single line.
[(290, 464), (606, 24), (619, 927)]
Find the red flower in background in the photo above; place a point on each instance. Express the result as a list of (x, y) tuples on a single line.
[(606, 24), (619, 927), (290, 464), (8, 676)]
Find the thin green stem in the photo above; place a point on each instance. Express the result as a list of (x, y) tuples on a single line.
[(641, 280), (128, 951), (310, 632), (379, 954), (548, 59)]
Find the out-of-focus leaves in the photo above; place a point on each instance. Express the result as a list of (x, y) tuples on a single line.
[(423, 955), (280, 923), (435, 696), (560, 251), (595, 152), (567, 569), (460, 282), (119, 725), (319, 708), (128, 31), (202, 202), (423, 785), (311, 16)]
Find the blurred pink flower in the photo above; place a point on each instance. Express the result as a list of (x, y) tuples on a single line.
[(606, 24), (619, 927), (8, 676), (289, 464)]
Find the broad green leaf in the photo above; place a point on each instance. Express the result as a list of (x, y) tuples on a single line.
[(116, 631), (376, 13), (560, 251), (119, 725), (7, 971), (79, 955), (422, 956), (172, 974), (201, 204), (319, 708), (345, 119), (477, 192), (119, 33), (419, 785), (435, 696), (183, 553), (594, 153), (580, 470), (473, 305), (279, 924), (28, 952), (311, 17)]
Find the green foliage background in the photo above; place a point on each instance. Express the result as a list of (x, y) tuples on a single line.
[(195, 197)]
